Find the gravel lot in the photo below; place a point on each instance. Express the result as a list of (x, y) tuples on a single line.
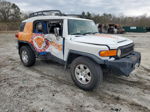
[(47, 87)]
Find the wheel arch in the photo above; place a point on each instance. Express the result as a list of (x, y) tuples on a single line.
[(23, 43), (74, 54)]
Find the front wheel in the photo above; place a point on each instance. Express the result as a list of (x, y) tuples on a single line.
[(27, 56), (85, 73)]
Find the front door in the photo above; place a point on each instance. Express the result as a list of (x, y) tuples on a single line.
[(55, 41)]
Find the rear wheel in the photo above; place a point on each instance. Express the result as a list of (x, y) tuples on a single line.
[(85, 73), (27, 56)]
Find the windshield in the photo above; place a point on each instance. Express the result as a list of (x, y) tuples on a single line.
[(81, 27)]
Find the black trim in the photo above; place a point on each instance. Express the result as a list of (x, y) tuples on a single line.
[(93, 57), (129, 48), (49, 56), (31, 46), (63, 46), (22, 26), (124, 66), (121, 41)]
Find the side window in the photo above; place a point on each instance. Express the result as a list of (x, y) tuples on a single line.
[(40, 27), (55, 24), (22, 27)]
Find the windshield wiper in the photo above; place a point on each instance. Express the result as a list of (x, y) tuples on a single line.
[(90, 33), (95, 32), (76, 34)]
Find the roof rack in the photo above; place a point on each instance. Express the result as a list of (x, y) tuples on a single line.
[(46, 13), (51, 13)]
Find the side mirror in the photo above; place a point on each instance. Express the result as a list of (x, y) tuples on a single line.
[(56, 31)]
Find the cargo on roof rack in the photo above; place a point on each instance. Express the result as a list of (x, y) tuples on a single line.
[(46, 13)]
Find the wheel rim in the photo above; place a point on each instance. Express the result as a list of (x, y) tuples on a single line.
[(24, 57), (83, 74)]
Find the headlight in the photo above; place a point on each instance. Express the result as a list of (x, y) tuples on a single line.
[(119, 52)]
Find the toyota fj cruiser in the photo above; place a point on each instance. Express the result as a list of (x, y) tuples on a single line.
[(75, 43)]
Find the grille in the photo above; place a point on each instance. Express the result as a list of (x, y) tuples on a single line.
[(126, 50)]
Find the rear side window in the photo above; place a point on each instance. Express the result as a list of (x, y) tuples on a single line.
[(40, 26), (22, 27)]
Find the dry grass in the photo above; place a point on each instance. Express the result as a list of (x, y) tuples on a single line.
[(11, 26)]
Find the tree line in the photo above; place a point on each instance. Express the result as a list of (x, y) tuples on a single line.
[(11, 13), (10, 16), (142, 21)]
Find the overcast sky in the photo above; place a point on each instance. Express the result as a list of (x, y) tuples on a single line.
[(116, 7)]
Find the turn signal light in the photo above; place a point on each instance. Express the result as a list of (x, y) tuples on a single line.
[(17, 35), (108, 53)]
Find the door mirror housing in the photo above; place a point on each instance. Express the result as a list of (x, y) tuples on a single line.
[(56, 31)]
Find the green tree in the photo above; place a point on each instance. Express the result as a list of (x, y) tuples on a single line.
[(83, 15), (9, 11), (88, 15)]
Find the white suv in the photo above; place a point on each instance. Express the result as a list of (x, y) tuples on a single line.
[(76, 43)]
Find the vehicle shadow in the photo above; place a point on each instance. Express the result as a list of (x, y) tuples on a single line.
[(58, 70)]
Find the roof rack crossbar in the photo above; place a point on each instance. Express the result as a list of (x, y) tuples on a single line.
[(51, 13), (46, 13)]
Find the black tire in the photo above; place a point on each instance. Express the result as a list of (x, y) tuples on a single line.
[(30, 54), (96, 73)]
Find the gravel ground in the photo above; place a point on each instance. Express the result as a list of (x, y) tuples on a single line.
[(47, 87)]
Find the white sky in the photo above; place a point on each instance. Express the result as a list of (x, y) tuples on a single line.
[(116, 7)]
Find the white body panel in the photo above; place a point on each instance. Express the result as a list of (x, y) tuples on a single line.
[(82, 47), (92, 44), (52, 49), (112, 41)]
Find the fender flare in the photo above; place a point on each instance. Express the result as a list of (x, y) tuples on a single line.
[(29, 44), (91, 56)]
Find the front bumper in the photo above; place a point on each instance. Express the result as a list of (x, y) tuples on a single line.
[(126, 65)]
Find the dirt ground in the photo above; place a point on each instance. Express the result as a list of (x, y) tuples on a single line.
[(47, 87)]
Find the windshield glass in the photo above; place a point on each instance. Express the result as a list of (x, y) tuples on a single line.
[(81, 27)]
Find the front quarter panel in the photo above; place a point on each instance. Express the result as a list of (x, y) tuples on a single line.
[(83, 47)]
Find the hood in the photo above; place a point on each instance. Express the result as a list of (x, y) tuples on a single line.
[(101, 39)]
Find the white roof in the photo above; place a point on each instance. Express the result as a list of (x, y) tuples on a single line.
[(32, 19)]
